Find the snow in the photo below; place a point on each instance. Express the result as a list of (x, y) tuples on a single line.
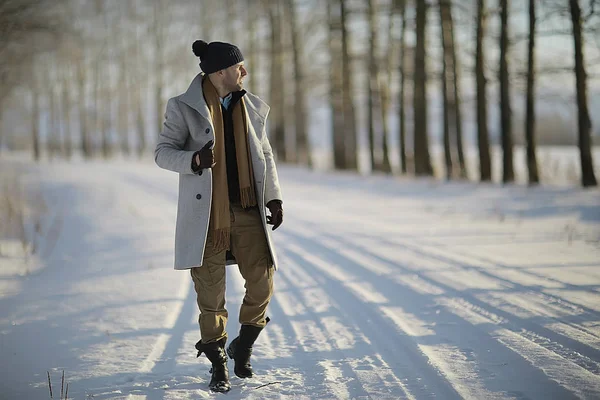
[(389, 288)]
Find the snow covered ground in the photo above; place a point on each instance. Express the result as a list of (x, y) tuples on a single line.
[(388, 289)]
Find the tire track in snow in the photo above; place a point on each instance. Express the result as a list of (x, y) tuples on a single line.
[(407, 362), (581, 354), (514, 324), (332, 255), (582, 312), (577, 379), (568, 342), (571, 328), (362, 375)]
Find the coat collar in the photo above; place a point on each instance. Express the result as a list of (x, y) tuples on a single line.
[(194, 98)]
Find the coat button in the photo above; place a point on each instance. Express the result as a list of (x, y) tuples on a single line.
[(207, 130), (200, 173), (198, 196)]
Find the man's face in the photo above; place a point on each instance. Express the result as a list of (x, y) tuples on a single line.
[(233, 77)]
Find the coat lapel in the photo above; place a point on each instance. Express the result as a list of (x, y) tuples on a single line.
[(257, 109), (194, 97)]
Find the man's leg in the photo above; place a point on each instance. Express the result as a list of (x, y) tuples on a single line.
[(209, 282), (250, 248)]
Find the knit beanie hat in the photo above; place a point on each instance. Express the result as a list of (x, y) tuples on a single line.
[(215, 56)]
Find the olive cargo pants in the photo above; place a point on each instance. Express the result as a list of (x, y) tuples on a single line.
[(250, 249)]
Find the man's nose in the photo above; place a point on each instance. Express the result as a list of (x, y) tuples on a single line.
[(244, 72)]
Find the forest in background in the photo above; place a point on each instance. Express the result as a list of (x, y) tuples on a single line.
[(390, 78)]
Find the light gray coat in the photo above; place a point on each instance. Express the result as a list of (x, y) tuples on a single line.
[(187, 128)]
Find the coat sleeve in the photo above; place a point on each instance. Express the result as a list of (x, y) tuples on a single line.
[(169, 153), (272, 188)]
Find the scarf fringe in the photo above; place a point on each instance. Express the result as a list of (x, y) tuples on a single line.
[(247, 197), (221, 239)]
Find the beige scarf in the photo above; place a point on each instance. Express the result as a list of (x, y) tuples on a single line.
[(219, 224)]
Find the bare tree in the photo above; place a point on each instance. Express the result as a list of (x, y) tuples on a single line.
[(508, 174), (67, 105), (443, 7), (35, 112), (138, 81), (585, 124), (385, 91), (421, 152), (158, 31), (349, 115), (530, 118), (82, 77), (277, 128), (336, 85), (124, 97), (485, 167), (457, 97), (372, 79), (302, 149), (401, 6)]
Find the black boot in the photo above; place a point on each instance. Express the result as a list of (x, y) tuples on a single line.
[(215, 352), (240, 350)]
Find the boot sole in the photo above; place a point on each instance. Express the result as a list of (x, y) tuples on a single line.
[(220, 389)]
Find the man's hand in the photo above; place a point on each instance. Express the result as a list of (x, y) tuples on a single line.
[(205, 158), (276, 217)]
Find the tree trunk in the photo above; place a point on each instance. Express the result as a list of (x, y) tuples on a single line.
[(482, 128), (81, 104), (123, 108), (422, 160), (508, 174), (530, 118), (336, 94), (124, 89), (300, 114), (384, 89), (585, 124), (443, 6), (277, 130), (401, 96), (457, 101), (372, 81), (52, 134), (139, 123), (349, 123), (103, 110), (139, 85), (66, 108), (158, 64), (35, 120)]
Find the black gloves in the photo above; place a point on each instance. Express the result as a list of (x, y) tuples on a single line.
[(276, 217), (204, 158)]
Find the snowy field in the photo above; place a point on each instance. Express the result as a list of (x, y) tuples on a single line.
[(387, 289)]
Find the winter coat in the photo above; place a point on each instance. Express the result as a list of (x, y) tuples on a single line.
[(187, 128)]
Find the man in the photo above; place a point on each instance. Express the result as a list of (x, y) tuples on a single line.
[(214, 136)]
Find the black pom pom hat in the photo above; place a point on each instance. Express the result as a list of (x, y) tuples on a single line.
[(215, 56)]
